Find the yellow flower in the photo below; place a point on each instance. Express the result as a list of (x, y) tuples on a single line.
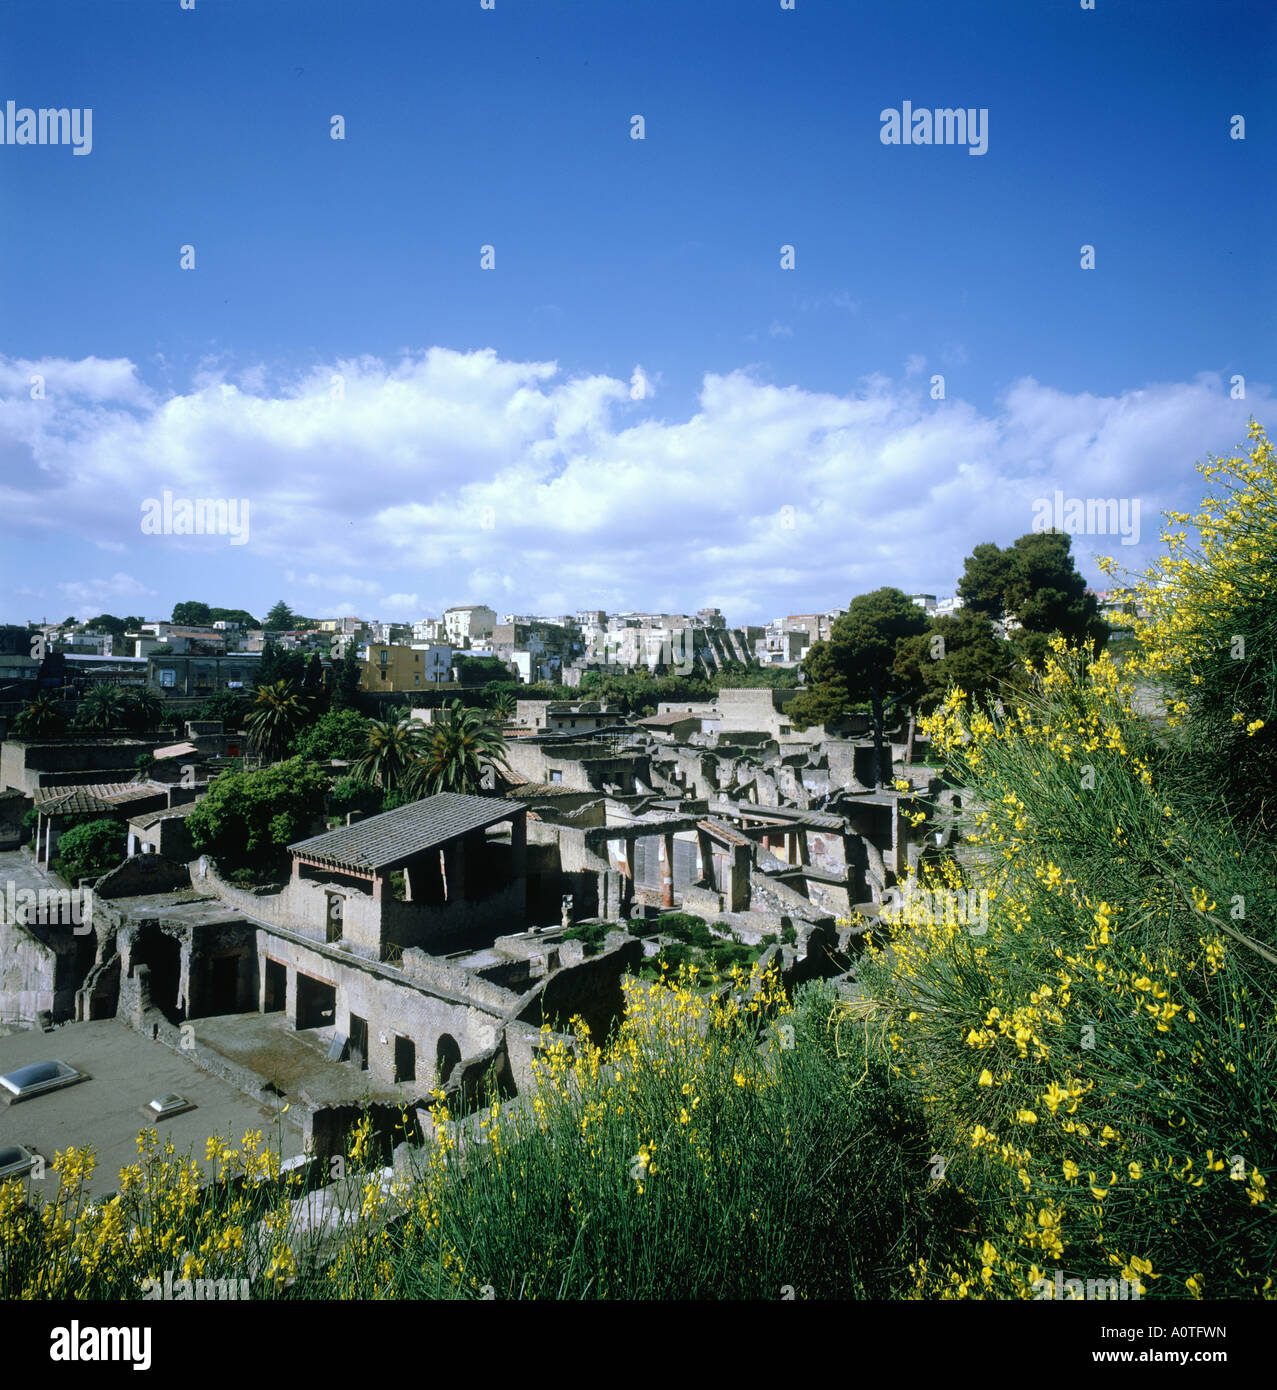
[(1026, 1117), (1071, 1170), (986, 1077), (1254, 727), (1135, 1171)]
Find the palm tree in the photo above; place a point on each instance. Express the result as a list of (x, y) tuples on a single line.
[(459, 749), (40, 719), (279, 712), (394, 750), (104, 707), (503, 707), (143, 710)]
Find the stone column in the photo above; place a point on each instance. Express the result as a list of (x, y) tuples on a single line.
[(667, 871), (187, 984)]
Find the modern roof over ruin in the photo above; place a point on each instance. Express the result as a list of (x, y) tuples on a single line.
[(99, 796), (536, 791), (392, 838), (176, 750), (147, 819)]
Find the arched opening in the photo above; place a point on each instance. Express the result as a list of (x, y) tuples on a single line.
[(447, 1055)]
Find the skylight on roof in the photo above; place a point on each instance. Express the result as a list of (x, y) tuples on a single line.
[(163, 1106), (15, 1161), (38, 1077)]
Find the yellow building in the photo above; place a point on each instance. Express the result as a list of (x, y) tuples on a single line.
[(399, 668)]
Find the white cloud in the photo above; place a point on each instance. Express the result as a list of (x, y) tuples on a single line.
[(92, 596), (451, 477)]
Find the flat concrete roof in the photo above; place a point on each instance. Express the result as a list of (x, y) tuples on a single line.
[(181, 905), (125, 1071)]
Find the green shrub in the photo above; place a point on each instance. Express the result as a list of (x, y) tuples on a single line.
[(591, 933), (91, 847), (248, 818)]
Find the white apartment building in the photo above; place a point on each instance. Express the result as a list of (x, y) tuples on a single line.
[(466, 623)]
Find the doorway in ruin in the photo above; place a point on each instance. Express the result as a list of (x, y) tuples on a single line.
[(359, 1041), (316, 1002), (447, 1055), (405, 1059), (224, 984), (276, 991), (163, 954)]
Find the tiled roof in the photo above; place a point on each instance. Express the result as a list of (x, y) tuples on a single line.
[(384, 841), (669, 717), (100, 796)]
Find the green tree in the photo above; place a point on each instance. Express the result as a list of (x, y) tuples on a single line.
[(472, 670), (143, 710), (192, 614), (91, 848), (279, 713), (313, 680), (985, 579), (354, 794), (1035, 582), (340, 733), (459, 749), (108, 622), (344, 680), (503, 706), (279, 665), (392, 750), (41, 718), (249, 818), (233, 615), (104, 707), (857, 664), (281, 618), (963, 651), (230, 708)]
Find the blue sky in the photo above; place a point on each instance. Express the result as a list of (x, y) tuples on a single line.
[(637, 406)]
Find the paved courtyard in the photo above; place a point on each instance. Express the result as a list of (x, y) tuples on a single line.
[(292, 1061)]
